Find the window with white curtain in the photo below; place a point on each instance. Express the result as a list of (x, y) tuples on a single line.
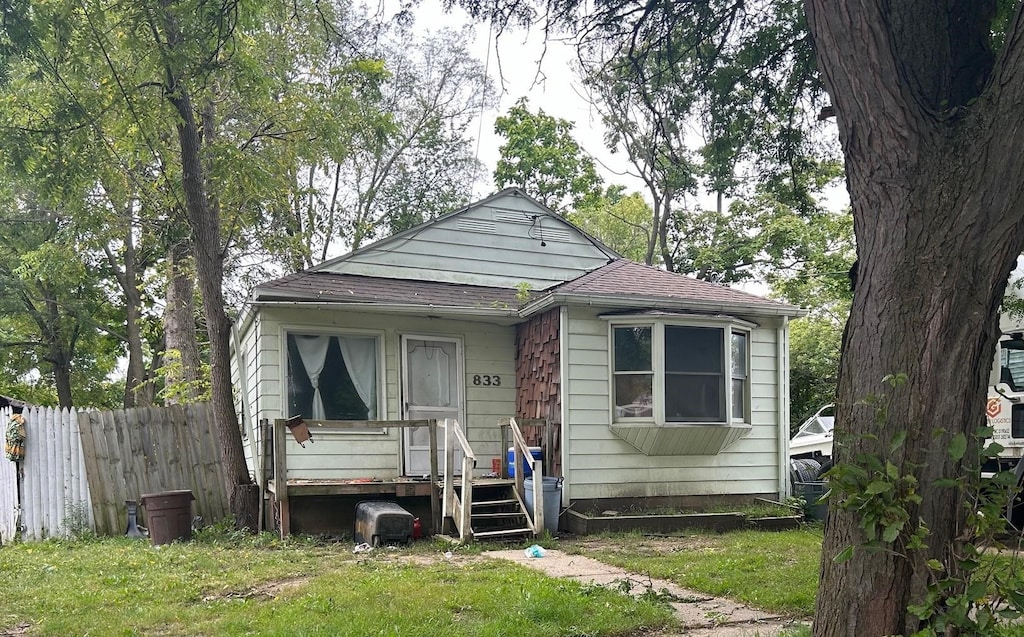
[(332, 376)]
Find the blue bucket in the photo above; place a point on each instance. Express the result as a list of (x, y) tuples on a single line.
[(527, 465)]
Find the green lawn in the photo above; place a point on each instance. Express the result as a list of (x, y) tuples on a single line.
[(235, 585), (775, 571)]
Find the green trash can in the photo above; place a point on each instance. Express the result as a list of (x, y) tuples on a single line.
[(812, 492), (168, 516)]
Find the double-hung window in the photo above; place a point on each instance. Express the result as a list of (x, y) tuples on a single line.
[(678, 373), (333, 376)]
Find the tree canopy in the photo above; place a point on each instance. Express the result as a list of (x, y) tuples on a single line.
[(213, 139), (541, 156)]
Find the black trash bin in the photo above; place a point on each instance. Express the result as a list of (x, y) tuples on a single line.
[(381, 522), (168, 515)]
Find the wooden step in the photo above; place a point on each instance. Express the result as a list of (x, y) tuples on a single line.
[(502, 533), (503, 514), (487, 503)]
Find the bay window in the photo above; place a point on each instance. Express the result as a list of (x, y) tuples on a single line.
[(677, 373)]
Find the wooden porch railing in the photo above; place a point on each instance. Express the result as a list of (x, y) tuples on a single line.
[(521, 450), (444, 505), (458, 508)]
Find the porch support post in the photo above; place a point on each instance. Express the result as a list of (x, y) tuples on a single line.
[(435, 505), (281, 477)]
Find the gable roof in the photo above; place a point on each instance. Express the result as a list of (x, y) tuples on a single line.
[(476, 262), (504, 241), (619, 284)]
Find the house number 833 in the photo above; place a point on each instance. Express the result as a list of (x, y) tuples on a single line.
[(487, 380)]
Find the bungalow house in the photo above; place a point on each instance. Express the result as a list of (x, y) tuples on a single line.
[(658, 389)]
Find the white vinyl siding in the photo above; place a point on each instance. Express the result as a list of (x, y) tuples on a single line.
[(504, 242), (601, 465), (488, 350)]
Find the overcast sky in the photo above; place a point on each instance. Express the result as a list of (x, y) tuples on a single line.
[(521, 65)]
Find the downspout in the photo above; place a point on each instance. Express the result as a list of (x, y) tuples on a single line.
[(783, 413), (563, 391)]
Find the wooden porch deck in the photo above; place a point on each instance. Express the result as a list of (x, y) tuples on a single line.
[(400, 487), (282, 488)]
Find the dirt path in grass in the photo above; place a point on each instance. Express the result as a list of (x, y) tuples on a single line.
[(699, 614)]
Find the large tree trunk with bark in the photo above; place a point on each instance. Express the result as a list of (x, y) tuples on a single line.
[(208, 252), (180, 327), (60, 345), (931, 133)]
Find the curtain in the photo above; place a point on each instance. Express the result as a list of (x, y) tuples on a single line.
[(360, 355), (313, 352)]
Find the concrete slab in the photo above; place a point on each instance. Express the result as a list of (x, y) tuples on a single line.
[(699, 615)]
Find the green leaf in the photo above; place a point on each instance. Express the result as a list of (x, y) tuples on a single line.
[(844, 555), (878, 486), (897, 441), (969, 565), (976, 591), (1017, 597), (891, 533), (958, 446), (993, 449), (916, 542), (935, 565)]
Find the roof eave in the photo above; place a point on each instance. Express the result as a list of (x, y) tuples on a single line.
[(630, 301), (504, 314)]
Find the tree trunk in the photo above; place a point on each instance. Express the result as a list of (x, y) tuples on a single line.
[(128, 280), (933, 169), (62, 378), (204, 223), (180, 327), (60, 346)]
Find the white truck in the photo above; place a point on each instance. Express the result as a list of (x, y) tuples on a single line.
[(1004, 410)]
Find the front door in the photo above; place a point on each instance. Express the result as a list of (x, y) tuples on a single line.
[(431, 388)]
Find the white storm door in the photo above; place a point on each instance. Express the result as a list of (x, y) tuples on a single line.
[(431, 388)]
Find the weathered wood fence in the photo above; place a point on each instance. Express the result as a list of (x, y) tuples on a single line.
[(81, 467)]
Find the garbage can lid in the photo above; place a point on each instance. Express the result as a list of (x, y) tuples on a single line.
[(167, 494)]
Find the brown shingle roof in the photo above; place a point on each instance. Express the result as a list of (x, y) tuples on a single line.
[(328, 287), (619, 279), (625, 278)]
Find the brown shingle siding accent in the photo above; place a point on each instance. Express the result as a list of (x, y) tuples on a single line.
[(538, 380)]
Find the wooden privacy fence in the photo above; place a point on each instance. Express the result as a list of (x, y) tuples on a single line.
[(81, 467)]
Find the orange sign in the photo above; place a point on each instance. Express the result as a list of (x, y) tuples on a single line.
[(994, 406)]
